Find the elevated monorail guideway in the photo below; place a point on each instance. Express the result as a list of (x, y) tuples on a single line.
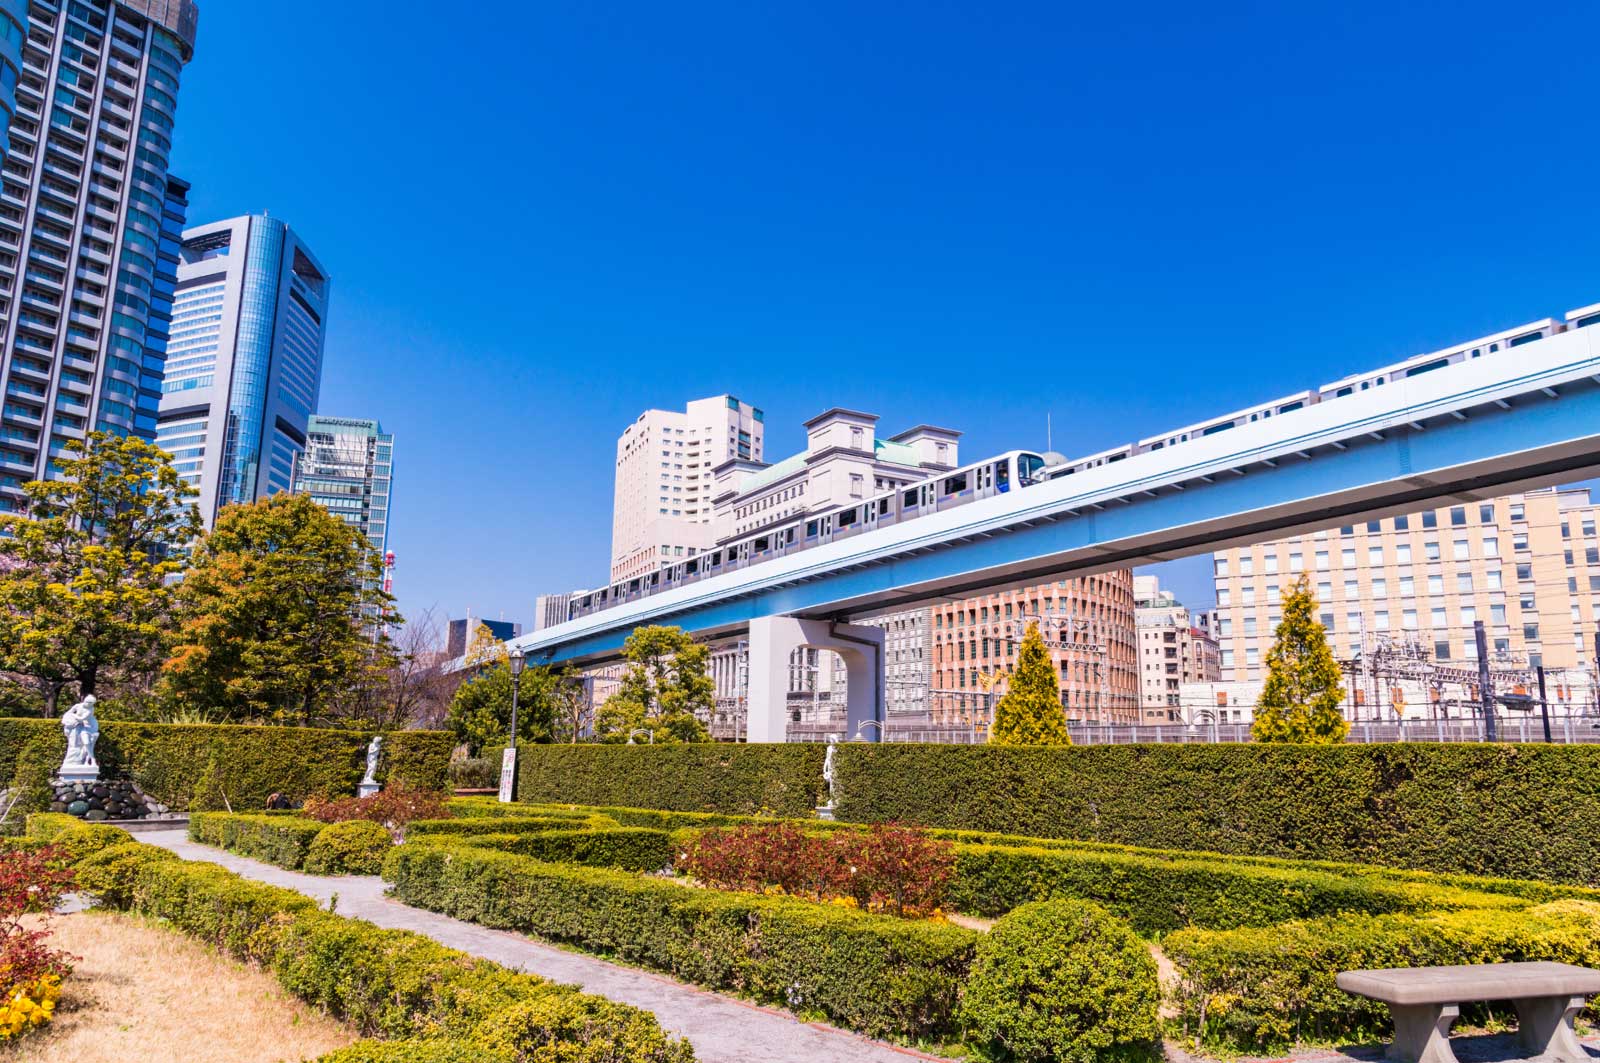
[(1523, 418)]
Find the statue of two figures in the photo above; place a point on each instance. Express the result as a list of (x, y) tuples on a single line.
[(82, 731), (829, 774), (369, 783)]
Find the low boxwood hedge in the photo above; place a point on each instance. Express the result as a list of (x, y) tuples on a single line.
[(354, 847), (430, 1003), (877, 974), (505, 824), (628, 848), (1264, 988), (1158, 895), (280, 840)]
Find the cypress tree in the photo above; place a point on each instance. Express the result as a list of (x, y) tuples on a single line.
[(1300, 699), (1030, 712)]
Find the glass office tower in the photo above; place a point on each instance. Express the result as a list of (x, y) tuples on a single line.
[(84, 202), (244, 359), (348, 469)]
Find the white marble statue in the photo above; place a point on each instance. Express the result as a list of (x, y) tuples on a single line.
[(82, 731), (372, 761), (829, 770)]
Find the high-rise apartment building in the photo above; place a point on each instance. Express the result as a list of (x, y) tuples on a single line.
[(13, 30), (1527, 565), (244, 362), (664, 483), (1174, 648), (459, 633), (348, 469), (85, 204)]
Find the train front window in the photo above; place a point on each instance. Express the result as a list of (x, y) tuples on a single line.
[(1030, 468)]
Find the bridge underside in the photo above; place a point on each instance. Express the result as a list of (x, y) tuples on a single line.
[(1540, 441)]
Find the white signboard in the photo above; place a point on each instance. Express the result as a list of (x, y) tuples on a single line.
[(508, 773)]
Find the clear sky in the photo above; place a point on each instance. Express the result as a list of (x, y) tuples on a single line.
[(543, 218)]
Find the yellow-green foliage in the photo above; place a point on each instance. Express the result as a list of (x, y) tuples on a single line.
[(1300, 700), (1258, 989), (1030, 713)]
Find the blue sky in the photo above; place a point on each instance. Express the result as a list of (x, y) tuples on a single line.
[(543, 218)]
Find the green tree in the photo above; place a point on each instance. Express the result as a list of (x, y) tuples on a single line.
[(278, 615), (480, 711), (1300, 700), (665, 691), (85, 570), (1030, 712)]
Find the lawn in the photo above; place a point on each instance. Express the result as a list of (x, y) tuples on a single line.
[(140, 993)]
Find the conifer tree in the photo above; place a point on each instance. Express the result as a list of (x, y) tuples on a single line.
[(1030, 712), (1300, 700)]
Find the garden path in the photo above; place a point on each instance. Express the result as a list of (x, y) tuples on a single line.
[(722, 1029)]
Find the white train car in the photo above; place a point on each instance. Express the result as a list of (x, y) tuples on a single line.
[(1427, 363)]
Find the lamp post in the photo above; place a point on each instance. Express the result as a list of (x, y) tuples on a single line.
[(518, 659)]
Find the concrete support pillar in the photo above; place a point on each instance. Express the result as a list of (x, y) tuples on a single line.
[(773, 638)]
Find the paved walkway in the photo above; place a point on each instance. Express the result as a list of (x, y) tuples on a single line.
[(722, 1029)]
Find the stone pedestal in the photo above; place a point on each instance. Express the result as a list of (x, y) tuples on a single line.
[(86, 774), (824, 811), (367, 789)]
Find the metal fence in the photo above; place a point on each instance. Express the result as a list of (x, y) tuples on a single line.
[(1565, 729)]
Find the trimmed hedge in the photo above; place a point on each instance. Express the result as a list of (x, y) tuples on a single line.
[(505, 825), (353, 847), (1064, 981), (1157, 895), (628, 848), (1262, 989), (171, 761), (784, 779), (1503, 810), (280, 840), (393, 983), (877, 974)]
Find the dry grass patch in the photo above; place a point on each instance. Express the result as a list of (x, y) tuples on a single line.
[(140, 993)]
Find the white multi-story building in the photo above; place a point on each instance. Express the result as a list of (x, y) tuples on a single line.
[(844, 461), (662, 508), (1174, 649)]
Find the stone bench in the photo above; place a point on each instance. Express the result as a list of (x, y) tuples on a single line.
[(1426, 1000)]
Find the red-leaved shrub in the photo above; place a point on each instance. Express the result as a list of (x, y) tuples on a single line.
[(395, 806), (32, 881), (886, 868)]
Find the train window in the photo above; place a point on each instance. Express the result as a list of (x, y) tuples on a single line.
[(788, 535), (1582, 322), (1493, 347), (911, 498), (844, 518), (1002, 476), (811, 529), (1286, 407), (760, 544), (952, 484), (1418, 370), (691, 568), (1343, 392), (1526, 337), (1214, 429)]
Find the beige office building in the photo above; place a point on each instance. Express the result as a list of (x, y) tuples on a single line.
[(1526, 565), (662, 505)]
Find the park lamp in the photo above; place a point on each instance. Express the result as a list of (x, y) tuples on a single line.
[(518, 660)]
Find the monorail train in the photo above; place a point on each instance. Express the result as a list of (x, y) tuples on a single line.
[(993, 476), (1021, 468)]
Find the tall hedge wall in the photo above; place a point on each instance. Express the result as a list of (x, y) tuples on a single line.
[(1521, 811), (171, 761), (784, 780)]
